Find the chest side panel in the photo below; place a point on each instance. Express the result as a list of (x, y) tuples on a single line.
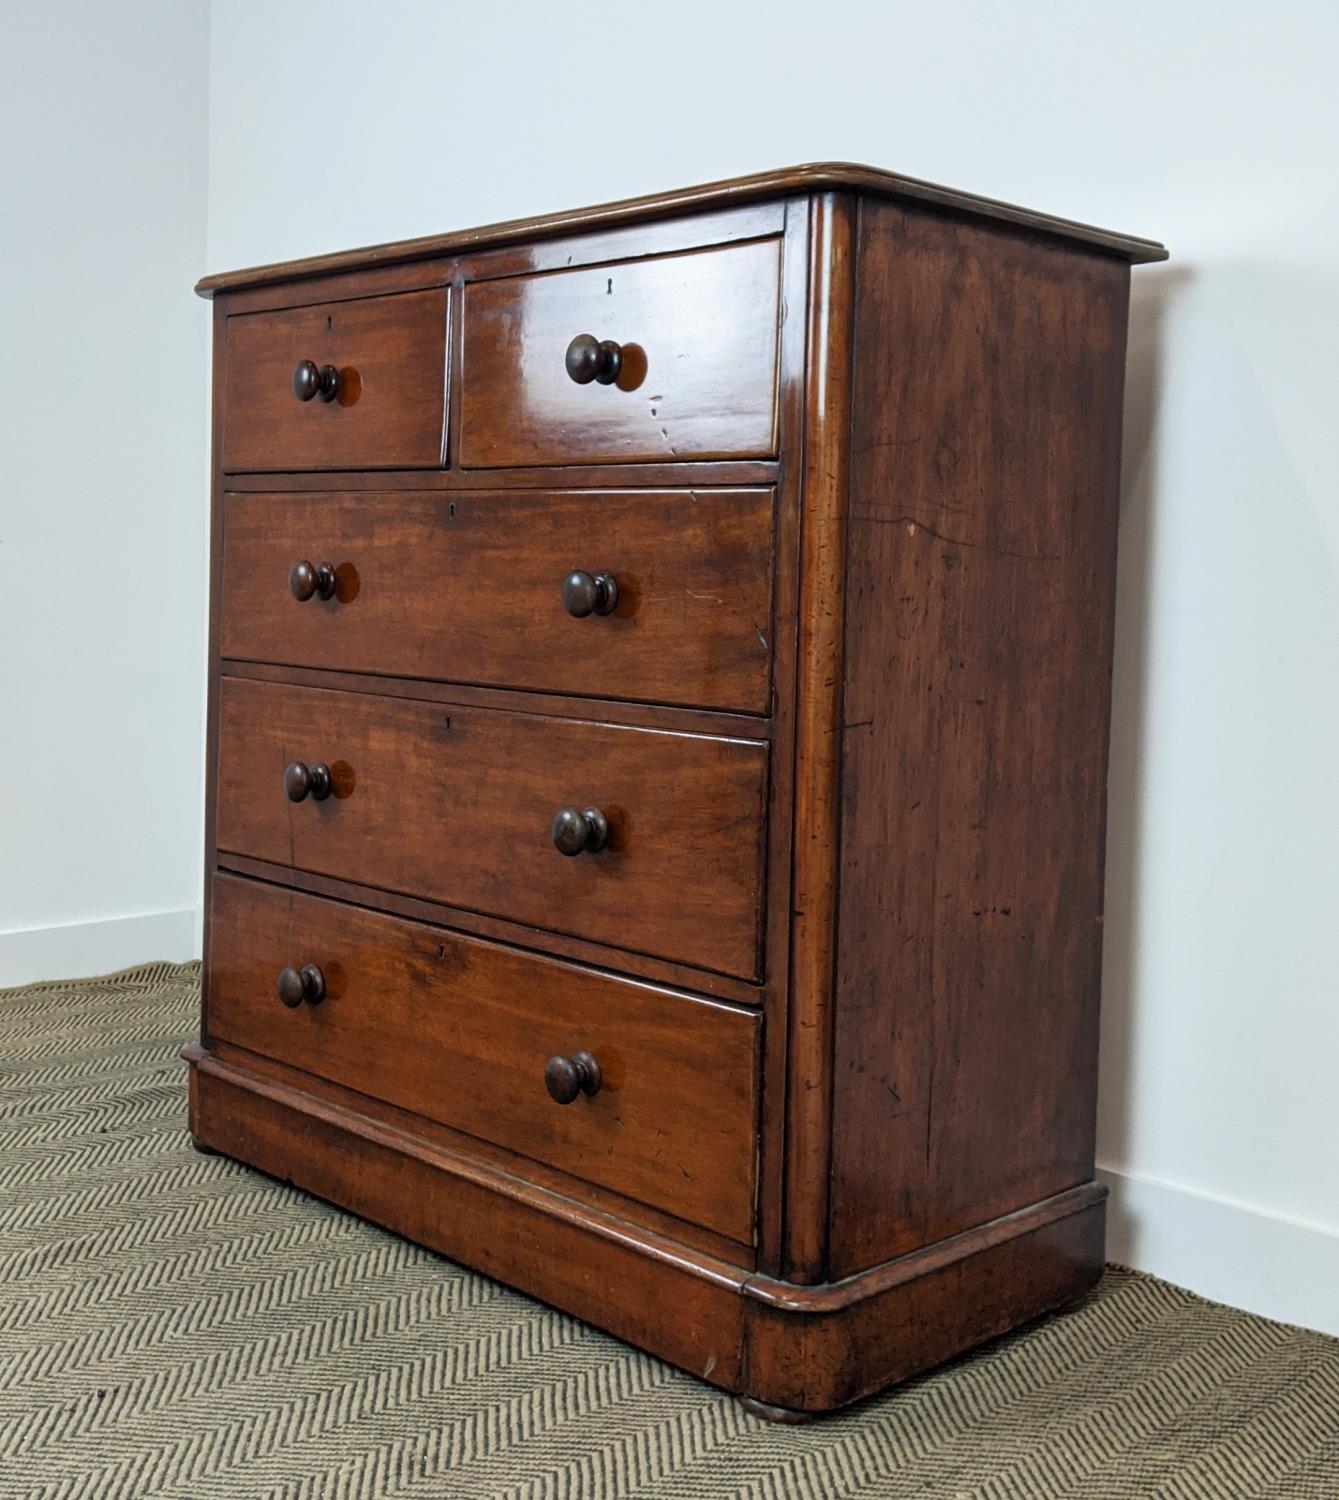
[(981, 566)]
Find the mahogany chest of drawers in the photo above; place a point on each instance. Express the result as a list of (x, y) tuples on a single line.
[(659, 686)]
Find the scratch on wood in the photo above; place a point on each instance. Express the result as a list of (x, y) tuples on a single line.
[(913, 525)]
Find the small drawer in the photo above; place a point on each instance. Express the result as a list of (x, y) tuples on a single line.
[(662, 832), (338, 385), (673, 357), (476, 1035), (651, 595)]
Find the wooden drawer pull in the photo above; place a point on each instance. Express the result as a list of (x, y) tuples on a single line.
[(304, 580), (566, 1077), (579, 832), (590, 594), (301, 782), (310, 379), (297, 985), (589, 358)]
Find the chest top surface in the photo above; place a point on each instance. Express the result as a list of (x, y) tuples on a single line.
[(729, 192)]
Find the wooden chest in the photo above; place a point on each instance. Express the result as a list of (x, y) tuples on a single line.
[(659, 688)]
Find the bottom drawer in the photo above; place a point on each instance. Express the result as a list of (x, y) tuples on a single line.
[(462, 1031)]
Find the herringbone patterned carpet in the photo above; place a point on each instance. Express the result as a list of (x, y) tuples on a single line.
[(173, 1325)]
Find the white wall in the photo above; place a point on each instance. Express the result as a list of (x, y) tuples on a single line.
[(1211, 125), (103, 128)]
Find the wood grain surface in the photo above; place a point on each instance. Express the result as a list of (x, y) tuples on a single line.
[(455, 804), (468, 588), (699, 374), (981, 568), (855, 478), (460, 1030), (391, 406), (663, 208)]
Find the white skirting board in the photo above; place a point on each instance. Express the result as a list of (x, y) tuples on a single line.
[(1229, 1251), (78, 950)]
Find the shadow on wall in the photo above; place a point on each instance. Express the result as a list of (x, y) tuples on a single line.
[(1216, 1109), (1153, 289), (1218, 1016)]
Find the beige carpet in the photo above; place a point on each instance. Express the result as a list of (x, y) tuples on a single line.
[(176, 1325)]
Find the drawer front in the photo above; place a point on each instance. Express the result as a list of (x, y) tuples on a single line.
[(457, 804), (460, 1031), (469, 588), (388, 406), (697, 335)]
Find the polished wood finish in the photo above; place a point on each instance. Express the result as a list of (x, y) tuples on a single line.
[(462, 1031), (732, 193), (504, 930), (827, 417), (701, 929), (691, 474), (555, 705), (457, 805), (475, 587), (792, 1347), (383, 406), (980, 592), (811, 1354), (578, 1191), (696, 376)]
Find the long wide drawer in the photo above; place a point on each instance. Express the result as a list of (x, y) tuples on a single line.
[(672, 357), (337, 385), (467, 806), (672, 590), (463, 1032)]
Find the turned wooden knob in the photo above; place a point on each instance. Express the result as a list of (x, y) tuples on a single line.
[(297, 985), (589, 358), (566, 1077), (311, 379), (304, 580), (581, 832), (301, 782), (590, 594)]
